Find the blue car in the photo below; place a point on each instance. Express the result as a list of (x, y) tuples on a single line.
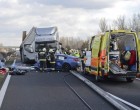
[(63, 62), (66, 62)]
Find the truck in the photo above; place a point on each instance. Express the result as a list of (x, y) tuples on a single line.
[(38, 37), (114, 53)]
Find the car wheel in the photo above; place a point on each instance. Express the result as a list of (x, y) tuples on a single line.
[(129, 79), (66, 67)]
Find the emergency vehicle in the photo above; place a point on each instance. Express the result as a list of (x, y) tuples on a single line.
[(114, 53)]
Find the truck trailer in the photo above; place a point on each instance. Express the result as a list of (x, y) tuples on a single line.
[(38, 37), (113, 54)]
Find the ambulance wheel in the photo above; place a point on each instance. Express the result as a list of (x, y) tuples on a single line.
[(66, 67), (129, 79)]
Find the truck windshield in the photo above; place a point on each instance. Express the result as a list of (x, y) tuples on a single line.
[(50, 45), (45, 31)]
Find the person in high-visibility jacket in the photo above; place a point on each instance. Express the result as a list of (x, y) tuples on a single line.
[(42, 59), (77, 54)]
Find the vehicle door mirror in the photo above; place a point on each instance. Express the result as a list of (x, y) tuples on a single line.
[(31, 50), (28, 48)]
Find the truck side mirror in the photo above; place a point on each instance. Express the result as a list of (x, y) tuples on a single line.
[(28, 48)]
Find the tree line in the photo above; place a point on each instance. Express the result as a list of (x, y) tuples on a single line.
[(122, 23), (74, 43)]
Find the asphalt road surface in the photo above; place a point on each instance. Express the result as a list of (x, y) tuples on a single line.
[(120, 88), (48, 91)]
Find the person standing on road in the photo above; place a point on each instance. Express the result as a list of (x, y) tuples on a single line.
[(42, 59), (52, 58), (77, 54)]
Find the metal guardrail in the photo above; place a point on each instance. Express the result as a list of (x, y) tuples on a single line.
[(119, 105)]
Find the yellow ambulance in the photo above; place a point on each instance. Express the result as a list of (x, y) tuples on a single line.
[(114, 53)]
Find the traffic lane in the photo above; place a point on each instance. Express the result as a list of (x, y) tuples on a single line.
[(119, 87), (91, 97), (40, 91)]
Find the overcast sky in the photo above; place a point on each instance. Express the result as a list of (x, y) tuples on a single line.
[(78, 18)]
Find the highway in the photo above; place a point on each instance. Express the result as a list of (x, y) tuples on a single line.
[(119, 87), (48, 91)]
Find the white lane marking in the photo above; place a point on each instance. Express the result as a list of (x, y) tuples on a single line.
[(4, 88), (138, 78), (128, 103)]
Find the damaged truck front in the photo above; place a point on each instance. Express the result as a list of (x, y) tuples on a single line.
[(35, 40)]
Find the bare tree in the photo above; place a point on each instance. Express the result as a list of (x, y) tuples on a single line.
[(134, 22), (103, 25), (120, 23), (71, 42), (84, 44)]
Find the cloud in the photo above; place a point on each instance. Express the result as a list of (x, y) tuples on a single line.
[(75, 18), (13, 21), (85, 4)]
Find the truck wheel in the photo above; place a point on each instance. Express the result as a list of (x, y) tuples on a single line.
[(129, 79), (66, 67)]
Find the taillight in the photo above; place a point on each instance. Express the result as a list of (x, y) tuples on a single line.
[(76, 59), (3, 71)]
